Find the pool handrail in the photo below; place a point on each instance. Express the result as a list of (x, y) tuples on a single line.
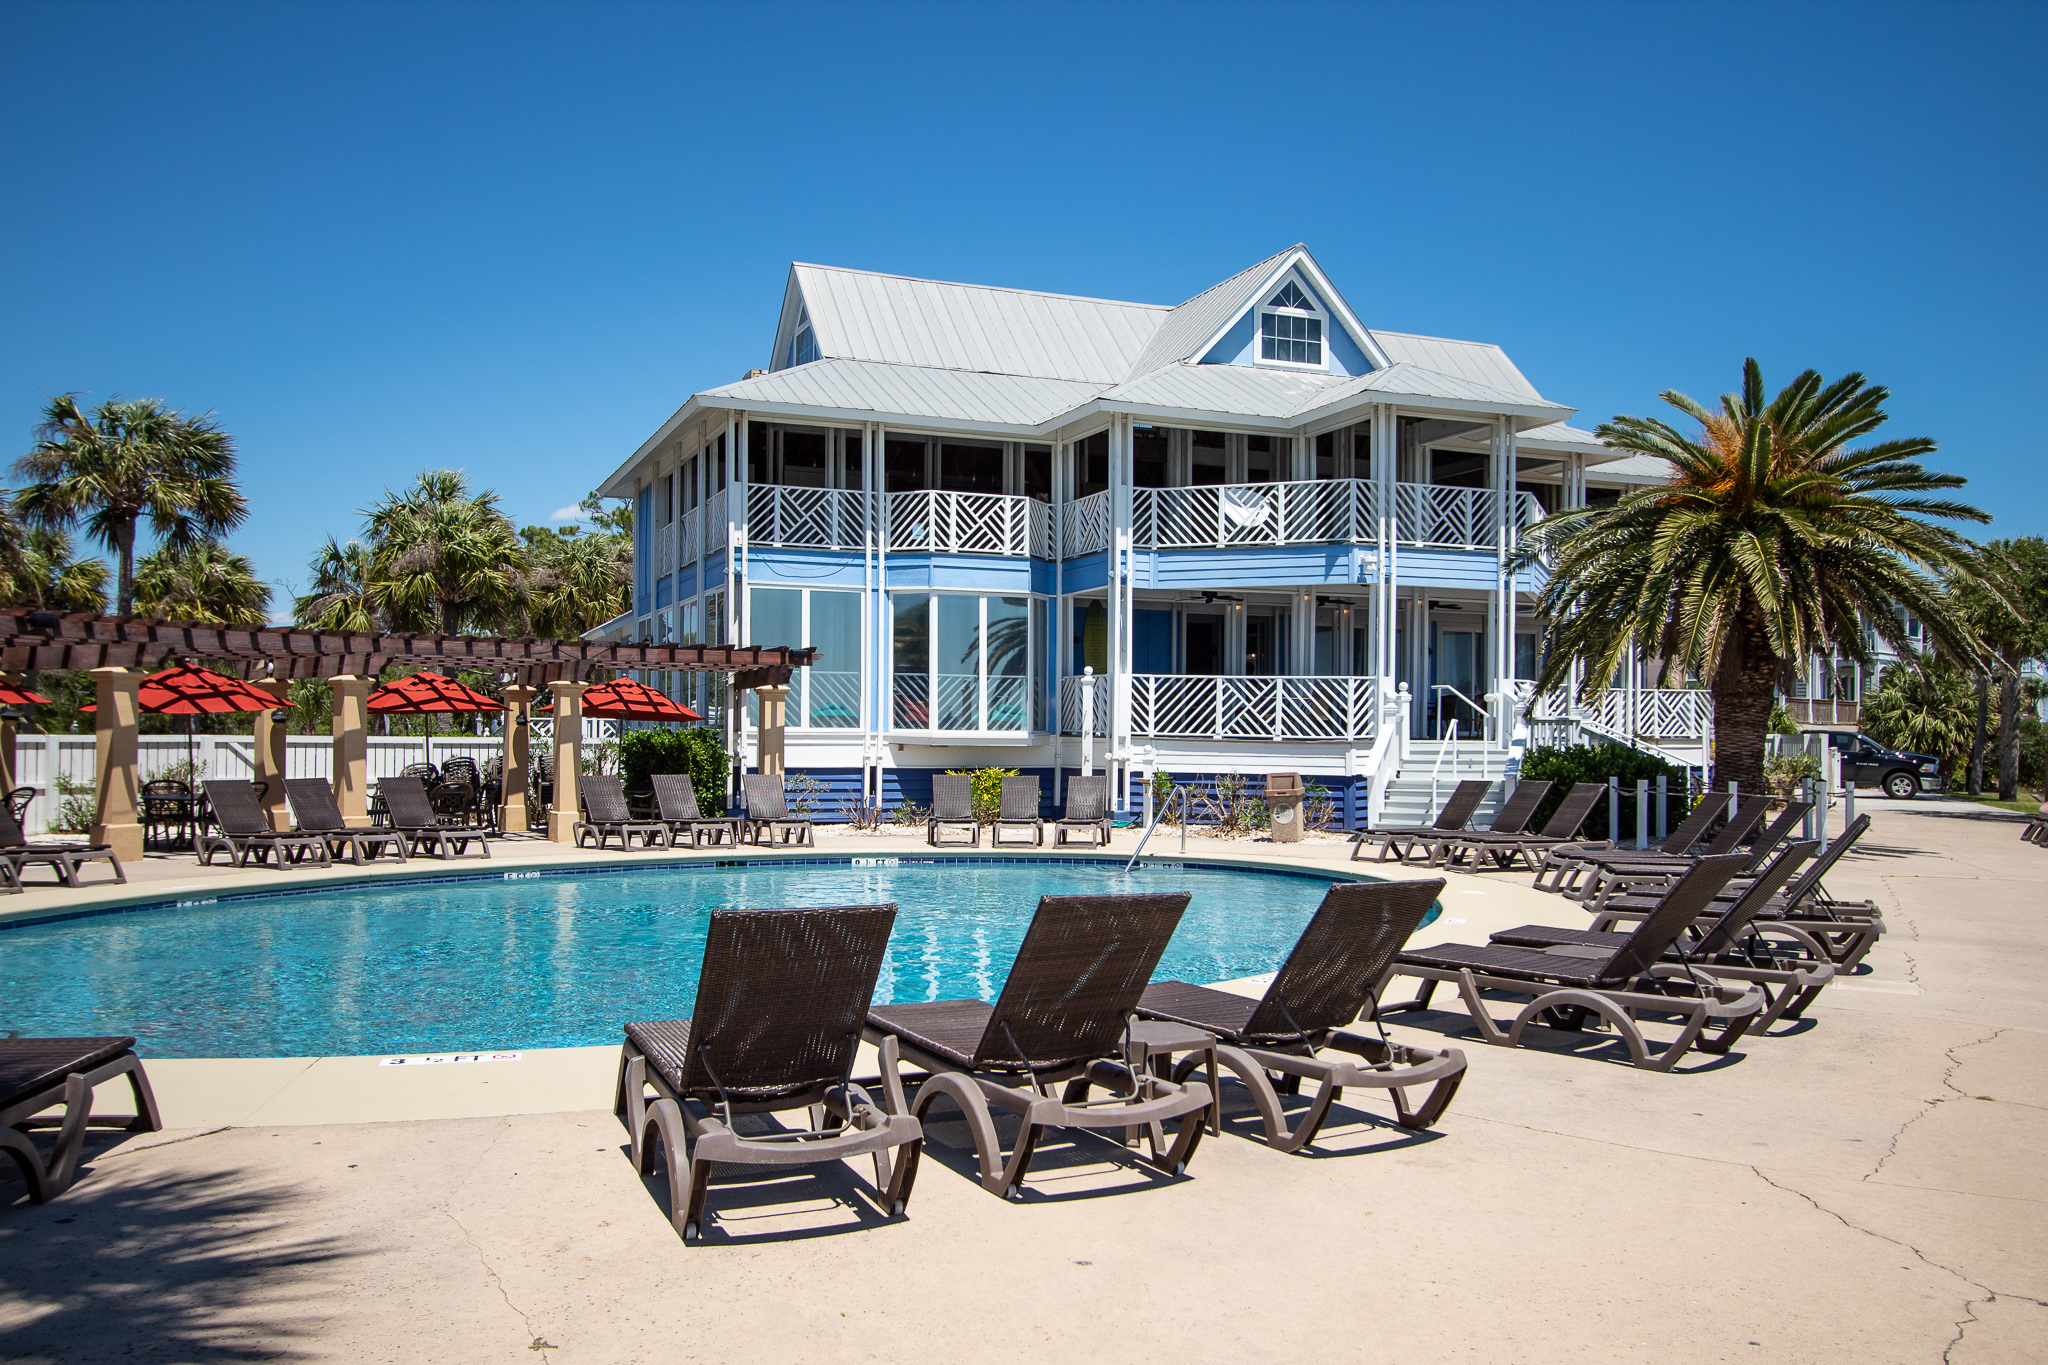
[(1179, 794)]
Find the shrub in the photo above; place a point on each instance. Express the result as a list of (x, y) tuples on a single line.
[(1784, 772), (1597, 763), (909, 815), (804, 793), (77, 806), (1229, 806), (986, 785), (697, 751)]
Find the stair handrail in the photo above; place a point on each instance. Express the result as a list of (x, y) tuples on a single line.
[(1449, 746), (1180, 794), (1440, 689)]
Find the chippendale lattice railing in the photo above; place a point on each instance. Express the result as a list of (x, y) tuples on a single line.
[(1307, 512), (814, 518), (1171, 706), (969, 523), (1084, 525)]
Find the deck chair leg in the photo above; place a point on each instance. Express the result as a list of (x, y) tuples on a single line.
[(997, 1176)]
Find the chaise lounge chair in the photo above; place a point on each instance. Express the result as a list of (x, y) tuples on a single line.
[(1656, 870), (312, 801), (1511, 820), (1456, 814), (1063, 1016), (1019, 810), (41, 1074), (607, 816), (16, 853), (243, 830), (952, 807), (768, 813), (412, 815), (1731, 946), (1324, 986), (1087, 811), (780, 1002), (675, 800), (1566, 984), (1504, 849), (1573, 871)]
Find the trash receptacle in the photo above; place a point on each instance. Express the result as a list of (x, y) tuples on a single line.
[(1284, 794)]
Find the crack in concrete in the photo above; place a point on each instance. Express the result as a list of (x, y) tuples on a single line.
[(536, 1342), (167, 1142), (1948, 1079)]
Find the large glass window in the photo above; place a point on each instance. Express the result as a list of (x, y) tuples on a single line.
[(1209, 463), (1148, 457), (827, 695), (970, 468), (902, 466), (963, 662), (1091, 464)]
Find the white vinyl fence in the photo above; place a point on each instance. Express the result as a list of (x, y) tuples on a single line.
[(40, 759)]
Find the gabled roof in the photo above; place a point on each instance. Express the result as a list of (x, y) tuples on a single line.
[(1192, 324), (1480, 361), (865, 390), (896, 320)]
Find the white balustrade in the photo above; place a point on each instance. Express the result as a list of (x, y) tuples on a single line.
[(1084, 525), (1185, 706), (813, 518)]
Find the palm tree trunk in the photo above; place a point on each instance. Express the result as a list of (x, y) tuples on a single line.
[(1745, 686), (2009, 735), (124, 582), (1977, 746)]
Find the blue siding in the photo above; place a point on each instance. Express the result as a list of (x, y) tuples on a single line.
[(1087, 573), (1152, 641), (664, 591), (807, 568), (1277, 566), (686, 583), (1240, 345), (1473, 569), (1347, 795), (643, 559), (981, 573)]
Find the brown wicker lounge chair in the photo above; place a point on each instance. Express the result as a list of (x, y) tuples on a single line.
[(781, 999), (41, 1074), (1324, 986), (1455, 815), (1063, 1016), (312, 801), (1087, 811), (1573, 871), (1504, 849), (1658, 870), (242, 830), (1512, 818), (1567, 985), (952, 808), (607, 816), (16, 853), (675, 800), (1019, 810), (1732, 946), (412, 815), (768, 813)]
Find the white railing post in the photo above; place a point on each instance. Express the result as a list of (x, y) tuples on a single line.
[(1088, 720)]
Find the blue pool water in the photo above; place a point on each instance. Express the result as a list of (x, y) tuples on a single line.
[(532, 961)]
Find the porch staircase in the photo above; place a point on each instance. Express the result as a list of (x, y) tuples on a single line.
[(1409, 798)]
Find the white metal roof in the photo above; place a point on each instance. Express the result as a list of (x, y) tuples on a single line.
[(859, 315), (869, 391), (1633, 469), (1225, 390), (1194, 322), (1479, 361), (1405, 380)]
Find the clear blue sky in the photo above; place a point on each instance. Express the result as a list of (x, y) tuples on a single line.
[(512, 239)]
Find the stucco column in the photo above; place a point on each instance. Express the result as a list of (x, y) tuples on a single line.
[(567, 807), (270, 751), (352, 747), (774, 701), (512, 797), (114, 751)]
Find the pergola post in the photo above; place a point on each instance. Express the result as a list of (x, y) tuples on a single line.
[(352, 747), (774, 699), (514, 818), (567, 807), (270, 754), (114, 751), (7, 729)]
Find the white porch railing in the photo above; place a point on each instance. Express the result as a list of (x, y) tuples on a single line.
[(969, 523), (1675, 722), (1183, 706), (1300, 512), (811, 518), (1084, 525), (714, 520)]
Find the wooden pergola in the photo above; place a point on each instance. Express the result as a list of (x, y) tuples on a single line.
[(118, 650)]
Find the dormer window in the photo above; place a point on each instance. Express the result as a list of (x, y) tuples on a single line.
[(803, 345), (1291, 329)]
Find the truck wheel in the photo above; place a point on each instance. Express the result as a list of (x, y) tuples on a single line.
[(1902, 786)]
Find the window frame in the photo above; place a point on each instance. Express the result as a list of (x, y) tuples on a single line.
[(1034, 647), (1315, 310)]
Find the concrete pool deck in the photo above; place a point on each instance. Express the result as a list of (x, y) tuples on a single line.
[(1867, 1184)]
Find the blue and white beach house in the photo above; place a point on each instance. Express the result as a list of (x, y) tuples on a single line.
[(1241, 535)]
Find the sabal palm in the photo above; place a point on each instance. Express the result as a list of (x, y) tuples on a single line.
[(343, 594), (40, 567), (126, 460), (444, 559), (204, 583), (576, 582), (1773, 540)]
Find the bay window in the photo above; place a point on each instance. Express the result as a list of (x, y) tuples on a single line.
[(827, 695), (963, 662)]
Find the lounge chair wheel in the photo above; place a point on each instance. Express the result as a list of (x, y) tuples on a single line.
[(896, 1209), (690, 1233)]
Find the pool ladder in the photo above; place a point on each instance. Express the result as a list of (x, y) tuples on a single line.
[(1178, 794)]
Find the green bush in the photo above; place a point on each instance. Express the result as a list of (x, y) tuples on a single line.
[(1784, 773), (986, 784), (1597, 763), (696, 751)]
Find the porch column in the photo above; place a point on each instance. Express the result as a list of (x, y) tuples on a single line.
[(270, 754), (774, 697), (567, 808), (351, 748), (514, 818), (116, 824)]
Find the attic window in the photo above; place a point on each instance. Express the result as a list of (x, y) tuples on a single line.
[(1291, 329), (803, 346)]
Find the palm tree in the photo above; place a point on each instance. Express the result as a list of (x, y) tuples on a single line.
[(444, 559), (573, 582), (2008, 607), (40, 568), (1924, 706), (124, 461), (1774, 539), (343, 595), (204, 583)]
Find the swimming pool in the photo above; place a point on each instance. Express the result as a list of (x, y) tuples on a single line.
[(532, 960)]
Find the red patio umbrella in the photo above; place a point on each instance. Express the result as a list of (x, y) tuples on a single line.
[(624, 699), (428, 694), (21, 696), (191, 691)]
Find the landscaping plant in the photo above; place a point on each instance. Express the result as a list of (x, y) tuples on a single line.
[(1596, 763)]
